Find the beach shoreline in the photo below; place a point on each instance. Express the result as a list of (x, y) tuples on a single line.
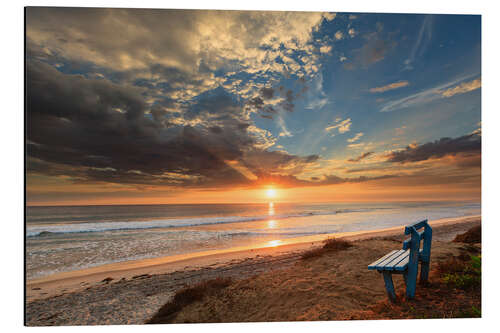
[(79, 280), (133, 293)]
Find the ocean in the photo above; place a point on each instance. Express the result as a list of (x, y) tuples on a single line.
[(66, 238)]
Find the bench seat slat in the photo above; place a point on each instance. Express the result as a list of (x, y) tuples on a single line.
[(401, 266), (389, 260), (384, 259), (389, 265), (382, 263), (396, 260), (376, 262)]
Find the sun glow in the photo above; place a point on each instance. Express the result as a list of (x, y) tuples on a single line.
[(271, 193)]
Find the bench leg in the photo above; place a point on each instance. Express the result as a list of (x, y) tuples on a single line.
[(389, 286), (411, 281), (424, 272), (405, 276)]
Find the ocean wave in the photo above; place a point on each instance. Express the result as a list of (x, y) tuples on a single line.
[(93, 227)]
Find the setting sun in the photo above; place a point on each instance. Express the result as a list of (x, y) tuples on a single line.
[(271, 193)]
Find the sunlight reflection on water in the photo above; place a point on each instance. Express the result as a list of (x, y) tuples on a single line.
[(275, 243), (271, 209)]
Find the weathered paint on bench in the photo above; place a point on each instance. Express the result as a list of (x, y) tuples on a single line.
[(406, 261)]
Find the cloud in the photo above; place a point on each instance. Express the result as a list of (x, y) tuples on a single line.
[(342, 126), (333, 179), (467, 144), (325, 49), (390, 86), (267, 93), (361, 157), (267, 102), (329, 16), (92, 130), (478, 131), (422, 97), (279, 162), (423, 39), (316, 95), (197, 54), (462, 88), (400, 130), (359, 145), (374, 50), (356, 137), (284, 130), (292, 181), (194, 35)]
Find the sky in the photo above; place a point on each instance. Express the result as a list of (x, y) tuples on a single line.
[(142, 106)]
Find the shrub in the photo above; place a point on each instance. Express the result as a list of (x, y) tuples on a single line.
[(187, 296), (473, 235), (468, 277), (334, 244), (329, 245)]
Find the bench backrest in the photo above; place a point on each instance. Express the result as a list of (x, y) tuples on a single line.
[(413, 243)]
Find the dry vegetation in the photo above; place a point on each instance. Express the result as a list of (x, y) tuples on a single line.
[(329, 245), (187, 296), (471, 236)]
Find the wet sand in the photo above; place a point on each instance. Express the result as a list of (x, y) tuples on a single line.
[(131, 292)]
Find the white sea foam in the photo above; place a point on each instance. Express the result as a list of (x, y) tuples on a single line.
[(47, 230)]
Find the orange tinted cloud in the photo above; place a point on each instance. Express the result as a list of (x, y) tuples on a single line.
[(462, 88), (391, 86)]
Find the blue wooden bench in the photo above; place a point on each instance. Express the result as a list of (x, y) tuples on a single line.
[(406, 261)]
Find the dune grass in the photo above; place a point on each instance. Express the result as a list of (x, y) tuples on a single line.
[(473, 235), (329, 245), (187, 296)]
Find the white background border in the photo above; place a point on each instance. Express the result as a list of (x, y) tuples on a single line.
[(12, 92)]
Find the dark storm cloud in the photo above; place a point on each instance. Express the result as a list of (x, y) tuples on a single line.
[(256, 102), (269, 162), (445, 146), (94, 130), (332, 179), (265, 116), (360, 157), (288, 103), (90, 123), (259, 105), (215, 129), (293, 181), (267, 93)]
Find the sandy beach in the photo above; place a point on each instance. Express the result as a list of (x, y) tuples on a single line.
[(131, 292)]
